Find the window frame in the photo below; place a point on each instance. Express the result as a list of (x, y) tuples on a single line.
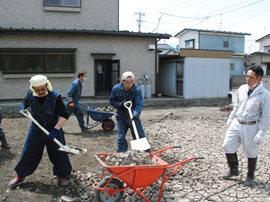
[(193, 43), (61, 4), (37, 59), (232, 66)]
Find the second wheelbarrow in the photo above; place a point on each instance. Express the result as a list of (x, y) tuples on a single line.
[(98, 116), (136, 177)]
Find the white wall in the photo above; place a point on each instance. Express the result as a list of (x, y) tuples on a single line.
[(206, 77), (188, 36), (264, 42)]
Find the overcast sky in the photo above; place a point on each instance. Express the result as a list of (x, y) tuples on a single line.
[(172, 16)]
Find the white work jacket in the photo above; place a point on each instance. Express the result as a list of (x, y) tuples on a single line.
[(253, 108)]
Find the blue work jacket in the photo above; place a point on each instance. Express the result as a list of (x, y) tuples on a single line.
[(74, 91), (134, 95)]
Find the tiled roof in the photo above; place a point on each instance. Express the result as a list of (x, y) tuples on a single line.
[(81, 32), (213, 31), (264, 37)]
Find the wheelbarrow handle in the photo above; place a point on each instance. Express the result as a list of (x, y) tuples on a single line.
[(162, 150), (27, 114)]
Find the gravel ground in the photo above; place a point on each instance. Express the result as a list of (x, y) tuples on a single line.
[(198, 130)]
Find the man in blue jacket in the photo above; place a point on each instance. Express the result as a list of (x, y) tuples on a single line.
[(73, 96), (122, 92)]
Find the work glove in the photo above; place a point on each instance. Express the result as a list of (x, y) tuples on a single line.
[(122, 103), (71, 104), (53, 133), (228, 123), (259, 139), (22, 108), (134, 118)]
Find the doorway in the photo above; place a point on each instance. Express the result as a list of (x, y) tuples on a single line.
[(106, 76)]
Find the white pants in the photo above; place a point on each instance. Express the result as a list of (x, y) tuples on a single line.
[(241, 134)]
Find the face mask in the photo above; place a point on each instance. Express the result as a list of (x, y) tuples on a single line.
[(254, 85), (84, 78)]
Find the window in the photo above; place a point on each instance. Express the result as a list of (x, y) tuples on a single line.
[(225, 44), (232, 66), (189, 43), (33, 61), (63, 3)]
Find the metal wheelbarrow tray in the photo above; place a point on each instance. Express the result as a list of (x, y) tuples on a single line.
[(98, 116), (135, 177)]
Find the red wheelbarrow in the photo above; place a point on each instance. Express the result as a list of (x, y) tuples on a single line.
[(136, 177)]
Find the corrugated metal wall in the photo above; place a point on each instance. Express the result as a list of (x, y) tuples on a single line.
[(206, 77)]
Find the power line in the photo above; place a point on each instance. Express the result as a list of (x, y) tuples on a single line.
[(248, 18), (158, 22)]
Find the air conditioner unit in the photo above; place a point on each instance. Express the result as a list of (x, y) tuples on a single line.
[(151, 47)]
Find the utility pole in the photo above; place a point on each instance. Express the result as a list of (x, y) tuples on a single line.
[(139, 22)]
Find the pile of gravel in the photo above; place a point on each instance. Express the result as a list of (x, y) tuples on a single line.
[(130, 158)]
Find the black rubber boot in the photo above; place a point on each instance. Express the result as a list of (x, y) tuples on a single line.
[(251, 170), (4, 141), (233, 164), (83, 128)]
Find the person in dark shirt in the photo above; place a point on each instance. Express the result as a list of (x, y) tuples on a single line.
[(3, 140), (49, 111)]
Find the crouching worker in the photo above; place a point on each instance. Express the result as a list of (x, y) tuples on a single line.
[(49, 111), (252, 103), (127, 91)]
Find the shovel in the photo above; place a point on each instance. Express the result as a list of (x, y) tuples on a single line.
[(138, 144), (63, 148)]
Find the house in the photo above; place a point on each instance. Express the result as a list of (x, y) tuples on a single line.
[(166, 49), (60, 38), (262, 57), (206, 61)]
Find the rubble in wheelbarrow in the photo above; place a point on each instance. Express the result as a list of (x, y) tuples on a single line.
[(130, 158), (106, 109)]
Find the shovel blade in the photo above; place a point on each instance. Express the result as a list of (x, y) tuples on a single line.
[(71, 150), (140, 144)]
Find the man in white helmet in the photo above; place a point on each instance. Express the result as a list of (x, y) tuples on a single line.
[(49, 111)]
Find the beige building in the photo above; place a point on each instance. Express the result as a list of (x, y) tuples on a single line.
[(58, 39)]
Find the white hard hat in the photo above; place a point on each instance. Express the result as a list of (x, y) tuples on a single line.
[(126, 75), (39, 80)]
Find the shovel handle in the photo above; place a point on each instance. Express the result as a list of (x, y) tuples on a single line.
[(27, 114), (128, 105)]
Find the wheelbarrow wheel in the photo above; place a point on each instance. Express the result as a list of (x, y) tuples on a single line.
[(102, 196), (108, 125)]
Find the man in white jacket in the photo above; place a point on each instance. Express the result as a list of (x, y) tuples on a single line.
[(251, 105)]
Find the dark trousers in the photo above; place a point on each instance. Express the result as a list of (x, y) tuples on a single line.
[(33, 151)]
